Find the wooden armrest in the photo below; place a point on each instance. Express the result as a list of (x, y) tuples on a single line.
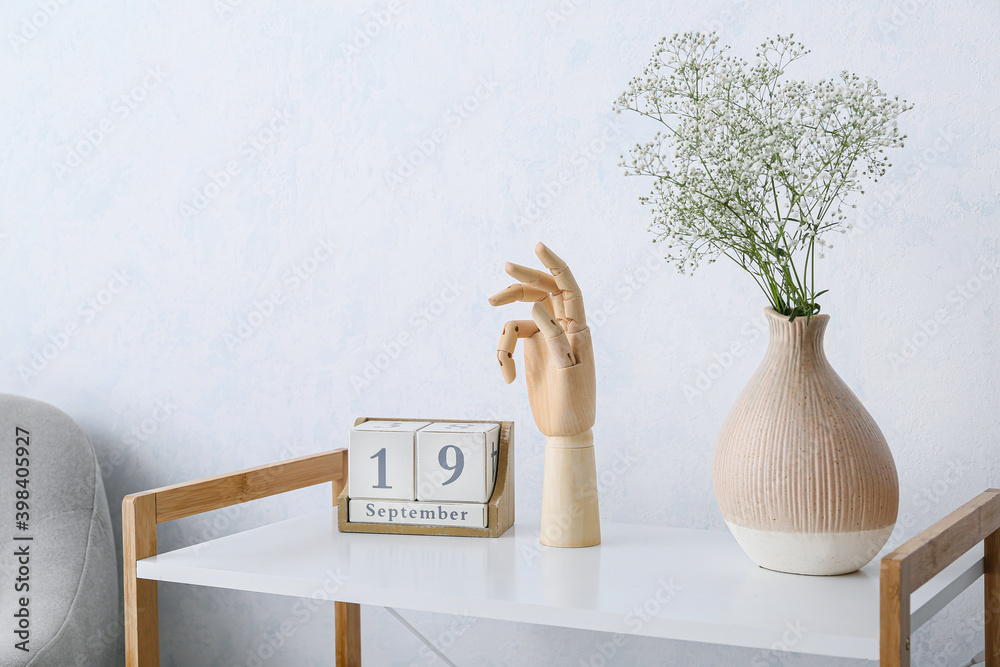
[(141, 512), (921, 558), (212, 493)]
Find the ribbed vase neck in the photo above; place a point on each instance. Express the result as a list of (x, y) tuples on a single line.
[(800, 339)]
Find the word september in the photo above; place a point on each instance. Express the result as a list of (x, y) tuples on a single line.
[(471, 515)]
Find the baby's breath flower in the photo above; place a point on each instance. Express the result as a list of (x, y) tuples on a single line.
[(752, 165)]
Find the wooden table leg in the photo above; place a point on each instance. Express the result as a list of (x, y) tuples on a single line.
[(348, 634), (992, 588), (894, 644), (347, 615), (142, 635)]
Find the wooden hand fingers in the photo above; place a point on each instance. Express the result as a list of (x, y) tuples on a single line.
[(555, 337), (572, 298), (532, 277), (508, 341), (518, 292), (557, 311)]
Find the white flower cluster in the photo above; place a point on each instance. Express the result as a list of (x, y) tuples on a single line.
[(752, 165)]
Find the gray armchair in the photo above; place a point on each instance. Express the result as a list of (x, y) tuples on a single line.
[(58, 575)]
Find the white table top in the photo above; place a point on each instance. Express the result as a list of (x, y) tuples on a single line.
[(671, 583)]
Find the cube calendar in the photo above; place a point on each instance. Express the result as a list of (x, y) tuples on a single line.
[(428, 478)]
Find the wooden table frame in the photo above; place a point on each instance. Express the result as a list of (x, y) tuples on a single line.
[(917, 561), (141, 512), (902, 572)]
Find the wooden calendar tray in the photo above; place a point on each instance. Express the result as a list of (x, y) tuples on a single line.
[(499, 509)]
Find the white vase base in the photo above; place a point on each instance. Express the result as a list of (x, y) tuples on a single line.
[(811, 553)]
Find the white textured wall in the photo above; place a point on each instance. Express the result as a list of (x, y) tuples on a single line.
[(143, 310)]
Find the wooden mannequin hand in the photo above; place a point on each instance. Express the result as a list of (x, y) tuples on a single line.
[(558, 353), (559, 363)]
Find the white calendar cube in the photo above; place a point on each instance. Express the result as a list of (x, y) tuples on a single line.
[(381, 459), (457, 461)]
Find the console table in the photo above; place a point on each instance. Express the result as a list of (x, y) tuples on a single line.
[(670, 583)]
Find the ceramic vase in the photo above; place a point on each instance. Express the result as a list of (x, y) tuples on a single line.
[(802, 473)]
